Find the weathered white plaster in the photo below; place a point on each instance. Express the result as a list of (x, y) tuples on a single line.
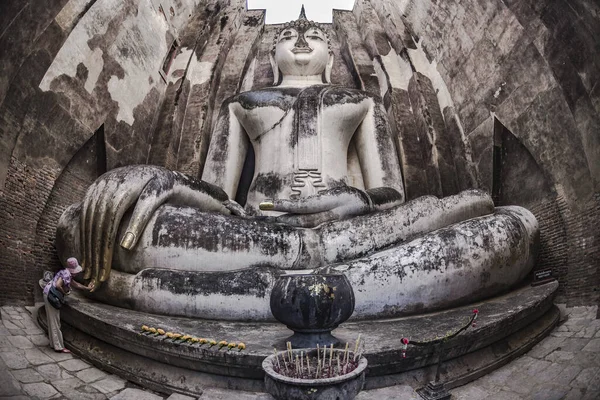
[(248, 81), (68, 15), (95, 67), (180, 64), (76, 50), (199, 71), (417, 12), (398, 70), (139, 48), (403, 5), (429, 69)]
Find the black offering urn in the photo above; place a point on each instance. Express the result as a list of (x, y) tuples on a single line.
[(312, 306)]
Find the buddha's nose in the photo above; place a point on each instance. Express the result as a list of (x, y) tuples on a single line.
[(301, 42)]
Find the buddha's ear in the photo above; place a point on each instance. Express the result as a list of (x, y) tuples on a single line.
[(275, 68), (328, 68)]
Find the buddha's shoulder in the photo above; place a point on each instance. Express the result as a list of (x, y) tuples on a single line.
[(275, 97), (285, 97), (345, 95)]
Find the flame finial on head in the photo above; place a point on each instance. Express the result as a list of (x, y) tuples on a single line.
[(302, 13)]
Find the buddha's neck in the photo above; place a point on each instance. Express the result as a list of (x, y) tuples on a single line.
[(301, 80)]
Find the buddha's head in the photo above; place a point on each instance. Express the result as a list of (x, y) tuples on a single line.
[(301, 48)]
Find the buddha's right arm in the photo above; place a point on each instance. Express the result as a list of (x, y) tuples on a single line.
[(107, 200), (148, 187)]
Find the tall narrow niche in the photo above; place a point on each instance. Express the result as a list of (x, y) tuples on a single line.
[(69, 188)]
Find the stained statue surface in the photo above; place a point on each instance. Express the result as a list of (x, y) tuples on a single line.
[(160, 241)]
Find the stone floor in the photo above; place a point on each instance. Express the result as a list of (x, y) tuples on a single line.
[(565, 365)]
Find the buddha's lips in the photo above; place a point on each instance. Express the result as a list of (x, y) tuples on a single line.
[(297, 50)]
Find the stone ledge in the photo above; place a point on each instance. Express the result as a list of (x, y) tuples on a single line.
[(508, 325)]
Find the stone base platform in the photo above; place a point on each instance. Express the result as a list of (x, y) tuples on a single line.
[(111, 338)]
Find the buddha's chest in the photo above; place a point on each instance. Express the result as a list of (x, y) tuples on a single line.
[(328, 116)]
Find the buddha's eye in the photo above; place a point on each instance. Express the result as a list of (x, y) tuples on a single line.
[(314, 37), (286, 36)]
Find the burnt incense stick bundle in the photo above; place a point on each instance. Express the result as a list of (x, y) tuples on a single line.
[(318, 355), (331, 356), (356, 346), (346, 354), (277, 358)]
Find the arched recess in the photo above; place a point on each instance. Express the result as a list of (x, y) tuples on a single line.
[(519, 180), (84, 167)]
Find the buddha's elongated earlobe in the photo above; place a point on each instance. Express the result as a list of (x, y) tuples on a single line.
[(275, 68), (328, 68)]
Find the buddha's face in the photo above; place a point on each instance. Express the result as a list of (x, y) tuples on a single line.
[(302, 53)]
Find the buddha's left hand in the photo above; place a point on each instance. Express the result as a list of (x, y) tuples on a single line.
[(332, 204)]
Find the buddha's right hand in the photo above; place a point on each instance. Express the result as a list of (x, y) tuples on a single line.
[(146, 186)]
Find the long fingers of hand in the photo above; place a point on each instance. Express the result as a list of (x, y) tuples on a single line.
[(87, 225), (110, 206), (99, 217), (118, 205), (158, 190), (97, 232)]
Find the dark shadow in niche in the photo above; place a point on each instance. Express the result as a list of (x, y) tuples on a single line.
[(519, 180), (517, 177), (100, 151)]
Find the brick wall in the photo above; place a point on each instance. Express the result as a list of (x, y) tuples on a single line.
[(583, 240), (553, 241), (69, 188), (21, 205)]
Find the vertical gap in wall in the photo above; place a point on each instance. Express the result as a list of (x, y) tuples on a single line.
[(168, 61), (497, 163), (100, 151)]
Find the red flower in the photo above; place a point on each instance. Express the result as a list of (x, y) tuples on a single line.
[(404, 340), (475, 311)]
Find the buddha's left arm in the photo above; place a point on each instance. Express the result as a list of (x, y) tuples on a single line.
[(378, 158)]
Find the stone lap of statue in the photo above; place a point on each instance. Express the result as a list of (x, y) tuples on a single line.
[(300, 212)]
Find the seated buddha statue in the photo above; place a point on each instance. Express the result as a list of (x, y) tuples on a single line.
[(326, 196)]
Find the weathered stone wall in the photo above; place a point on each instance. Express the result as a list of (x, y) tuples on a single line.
[(499, 94), (533, 66), (68, 68)]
